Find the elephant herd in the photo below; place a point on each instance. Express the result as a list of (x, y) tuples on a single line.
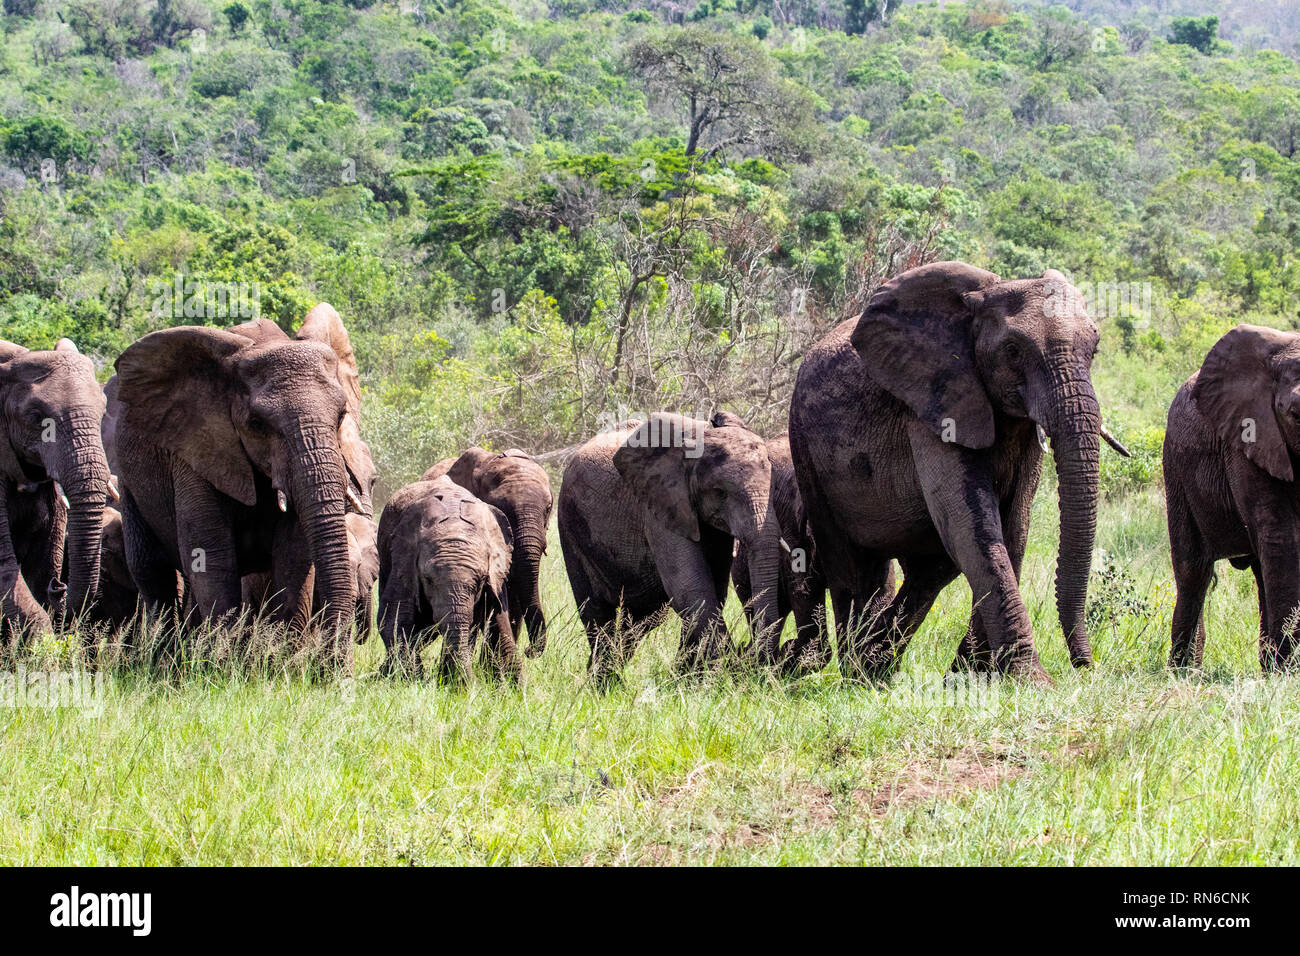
[(222, 471)]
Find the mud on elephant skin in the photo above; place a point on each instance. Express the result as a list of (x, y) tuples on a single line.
[(1231, 447), (231, 453), (648, 516), (802, 586), (915, 432), (444, 564), (53, 482), (515, 483)]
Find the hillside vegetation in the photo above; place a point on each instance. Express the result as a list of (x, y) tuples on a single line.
[(527, 226)]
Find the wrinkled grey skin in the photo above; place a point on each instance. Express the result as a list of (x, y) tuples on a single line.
[(513, 482), (648, 516), (1230, 455), (802, 587), (118, 603), (912, 430), (49, 395), (444, 563), (210, 427)]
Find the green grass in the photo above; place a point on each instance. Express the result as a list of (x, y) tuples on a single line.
[(1126, 763)]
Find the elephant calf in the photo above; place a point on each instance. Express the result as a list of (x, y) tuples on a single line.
[(1230, 486), (802, 588), (444, 559), (515, 483), (648, 517)]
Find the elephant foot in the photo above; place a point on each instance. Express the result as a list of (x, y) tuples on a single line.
[(1033, 674), (535, 649)]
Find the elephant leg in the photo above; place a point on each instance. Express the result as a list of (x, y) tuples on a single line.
[(155, 579), (1193, 572), (1257, 570), (206, 539), (1280, 599), (855, 609), (502, 650), (19, 610), (691, 585), (968, 516), (397, 620), (924, 577), (811, 648)]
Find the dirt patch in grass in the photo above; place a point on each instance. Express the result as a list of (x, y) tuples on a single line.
[(929, 781)]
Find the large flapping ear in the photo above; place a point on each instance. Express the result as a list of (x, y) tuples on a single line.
[(108, 426), (65, 345), (1235, 390), (360, 463), (8, 350), (9, 465), (462, 469), (439, 470), (323, 324), (175, 390), (500, 548), (916, 340), (397, 542), (652, 460)]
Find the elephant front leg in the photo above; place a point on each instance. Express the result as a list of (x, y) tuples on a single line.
[(502, 650), (960, 496), (397, 631), (924, 578), (1280, 601), (206, 541), (19, 610)]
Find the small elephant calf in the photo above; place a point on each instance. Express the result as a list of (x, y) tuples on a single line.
[(444, 559)]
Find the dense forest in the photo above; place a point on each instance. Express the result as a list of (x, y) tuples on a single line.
[(535, 217)]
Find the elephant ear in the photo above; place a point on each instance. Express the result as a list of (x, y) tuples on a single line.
[(1234, 392), (9, 466), (652, 460), (439, 470), (174, 390), (916, 340), (725, 419), (8, 350), (499, 551), (463, 468), (356, 455), (324, 325), (65, 345)]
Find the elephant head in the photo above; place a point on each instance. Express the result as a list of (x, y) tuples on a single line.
[(363, 554), (687, 473), (447, 552), (957, 345), (52, 407), (249, 412), (1248, 389)]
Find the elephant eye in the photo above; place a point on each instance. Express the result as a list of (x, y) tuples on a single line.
[(257, 424), (1012, 352)]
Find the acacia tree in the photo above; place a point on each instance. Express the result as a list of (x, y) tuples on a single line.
[(730, 90)]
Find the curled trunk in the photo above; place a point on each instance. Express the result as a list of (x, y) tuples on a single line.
[(1076, 446)]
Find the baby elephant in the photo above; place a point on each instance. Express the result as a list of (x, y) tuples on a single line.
[(1230, 490), (444, 557)]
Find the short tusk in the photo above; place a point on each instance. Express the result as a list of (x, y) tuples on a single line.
[(1114, 442), (785, 546), (355, 502), (58, 490), (1042, 438), (282, 500), (113, 491)]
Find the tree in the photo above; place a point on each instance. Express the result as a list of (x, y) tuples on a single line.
[(730, 89), (1197, 32), (236, 15)]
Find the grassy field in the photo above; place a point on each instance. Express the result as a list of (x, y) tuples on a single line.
[(1123, 764)]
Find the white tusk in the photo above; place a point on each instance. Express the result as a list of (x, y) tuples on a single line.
[(1114, 442), (354, 501), (1042, 438), (114, 492), (58, 490), (786, 546), (282, 500)]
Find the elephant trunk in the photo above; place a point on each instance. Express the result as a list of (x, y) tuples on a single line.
[(82, 471), (761, 533), (525, 586), (320, 485), (1076, 446), (457, 627)]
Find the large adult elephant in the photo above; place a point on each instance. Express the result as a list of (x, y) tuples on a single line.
[(802, 586), (323, 324), (914, 435), (228, 446), (1231, 445), (55, 480), (648, 517), (513, 482)]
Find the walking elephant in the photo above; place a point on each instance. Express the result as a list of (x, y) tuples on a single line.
[(801, 589), (444, 566), (230, 450), (53, 482), (648, 517), (1230, 486), (513, 482), (915, 432)]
